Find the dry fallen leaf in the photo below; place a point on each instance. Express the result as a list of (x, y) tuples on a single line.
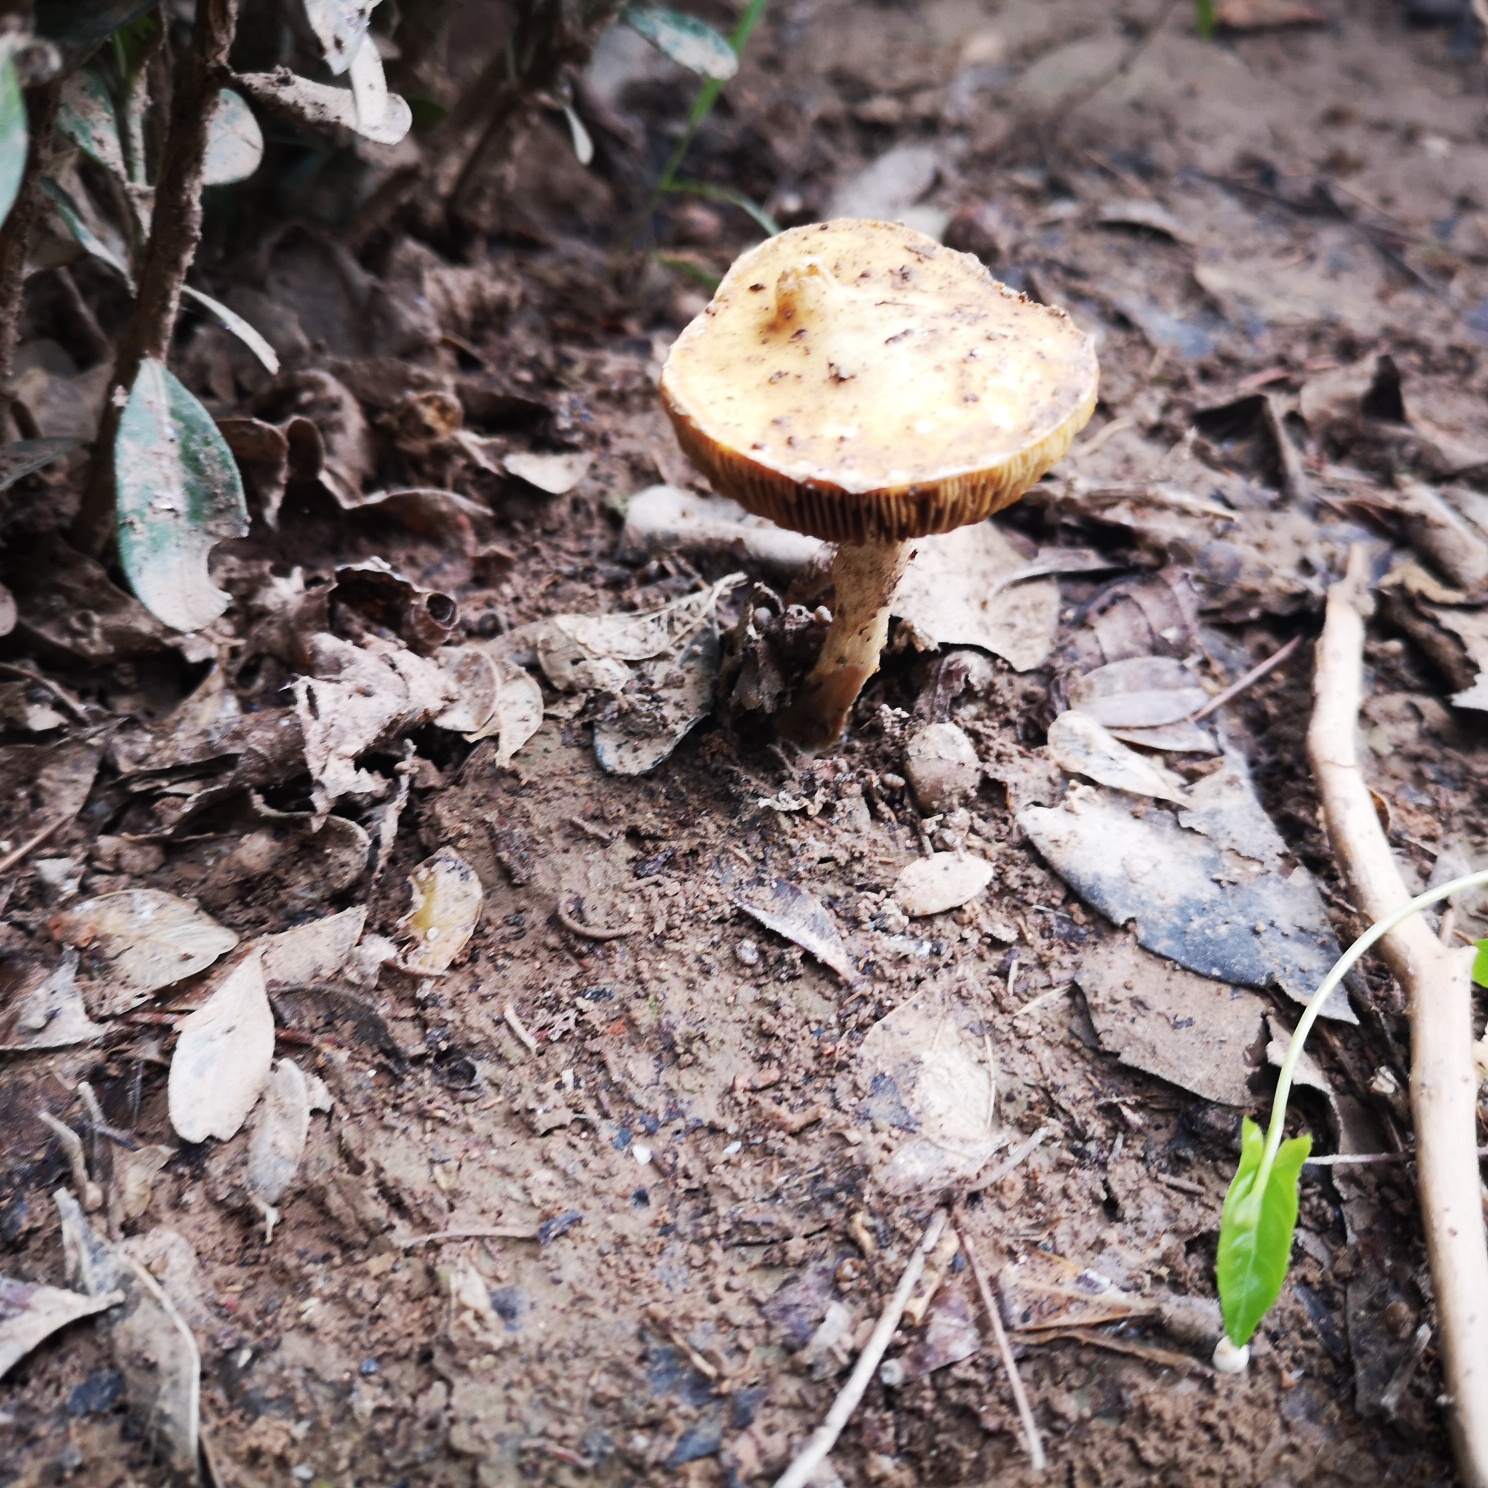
[(149, 939), (952, 595), (1079, 744), (477, 686), (223, 1054), (1139, 692), (555, 474), (50, 1015), (447, 898), (945, 880), (518, 713), (313, 952), (280, 1128), (29, 1314), (801, 917)]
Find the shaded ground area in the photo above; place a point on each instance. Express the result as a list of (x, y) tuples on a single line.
[(687, 1125)]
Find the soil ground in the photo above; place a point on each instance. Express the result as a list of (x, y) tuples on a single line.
[(690, 1134)]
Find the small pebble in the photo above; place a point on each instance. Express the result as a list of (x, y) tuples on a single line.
[(642, 1152), (942, 767), (747, 952)]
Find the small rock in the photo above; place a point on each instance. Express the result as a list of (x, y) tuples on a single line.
[(943, 881), (747, 952), (942, 767)]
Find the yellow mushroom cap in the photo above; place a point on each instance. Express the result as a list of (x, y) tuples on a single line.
[(860, 382)]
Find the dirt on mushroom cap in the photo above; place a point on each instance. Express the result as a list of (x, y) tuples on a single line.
[(858, 381)]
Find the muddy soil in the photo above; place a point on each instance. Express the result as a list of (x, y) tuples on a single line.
[(675, 1124)]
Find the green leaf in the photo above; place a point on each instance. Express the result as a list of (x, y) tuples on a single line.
[(1255, 1232), (247, 334), (80, 25), (1204, 18), (1480, 964), (12, 134), (86, 116), (761, 218), (84, 235), (179, 494), (26, 456), (235, 143), (698, 47)]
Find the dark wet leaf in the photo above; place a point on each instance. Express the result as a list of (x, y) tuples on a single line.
[(698, 47), (74, 219), (86, 116), (79, 25), (179, 495), (1255, 1232), (26, 456)]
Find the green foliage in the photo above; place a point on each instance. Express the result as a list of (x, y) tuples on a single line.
[(1204, 19), (698, 47), (1255, 1230), (12, 133), (1480, 964), (179, 494)]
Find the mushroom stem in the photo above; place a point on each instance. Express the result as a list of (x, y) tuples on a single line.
[(865, 576)]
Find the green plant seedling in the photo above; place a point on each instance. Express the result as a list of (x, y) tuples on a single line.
[(1204, 18), (12, 132), (1260, 1208)]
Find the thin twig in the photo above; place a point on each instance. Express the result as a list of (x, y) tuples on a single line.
[(1165, 1358), (1438, 987), (30, 844), (468, 1232), (519, 1028), (88, 1191), (1031, 1437), (75, 706), (1251, 677), (594, 932), (824, 1438)]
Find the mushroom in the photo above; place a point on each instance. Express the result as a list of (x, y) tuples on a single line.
[(861, 383)]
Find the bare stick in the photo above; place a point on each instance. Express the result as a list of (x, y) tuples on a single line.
[(72, 1144), (1031, 1438), (519, 1028), (1251, 677), (30, 844), (824, 1438), (1438, 984), (175, 232)]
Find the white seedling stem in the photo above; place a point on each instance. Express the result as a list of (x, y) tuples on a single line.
[(1341, 967)]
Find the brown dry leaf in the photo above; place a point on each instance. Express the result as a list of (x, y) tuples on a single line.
[(928, 1069), (303, 858), (950, 595), (1157, 1017), (447, 898), (147, 939), (1471, 629), (477, 688), (222, 1058), (29, 1314), (45, 783), (314, 952), (951, 1334), (152, 1343), (944, 880), (555, 474), (357, 698), (1079, 744), (1139, 692), (50, 1015), (280, 1128), (423, 619), (326, 432), (1043, 1290), (802, 917)]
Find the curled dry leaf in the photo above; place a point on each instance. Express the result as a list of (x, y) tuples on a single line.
[(279, 1131), (45, 783), (29, 1314), (50, 1015), (950, 596), (1079, 744), (802, 917), (423, 619), (555, 474), (314, 952), (1139, 692), (147, 939), (223, 1054), (945, 880), (447, 897), (518, 713), (477, 688)]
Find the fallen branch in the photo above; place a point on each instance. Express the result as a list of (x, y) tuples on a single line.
[(1437, 984), (1031, 1438), (824, 1438), (175, 231)]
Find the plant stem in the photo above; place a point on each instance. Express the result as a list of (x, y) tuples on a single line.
[(1341, 968), (175, 233)]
